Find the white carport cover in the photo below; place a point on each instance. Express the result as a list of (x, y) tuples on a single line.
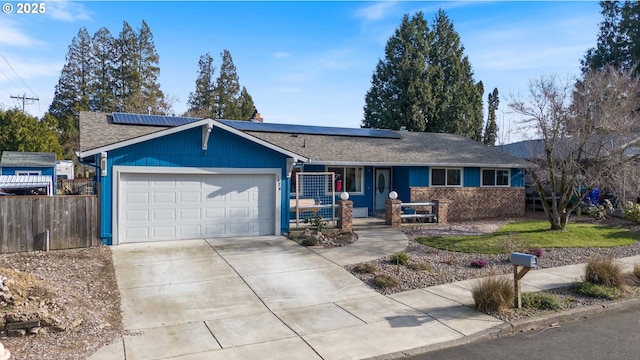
[(26, 182)]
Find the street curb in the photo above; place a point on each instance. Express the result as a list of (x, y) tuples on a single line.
[(522, 325)]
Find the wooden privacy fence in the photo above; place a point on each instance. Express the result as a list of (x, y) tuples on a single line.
[(72, 222)]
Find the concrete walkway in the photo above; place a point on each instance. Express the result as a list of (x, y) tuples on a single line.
[(269, 298)]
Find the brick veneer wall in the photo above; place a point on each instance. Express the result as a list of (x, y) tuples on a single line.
[(475, 203)]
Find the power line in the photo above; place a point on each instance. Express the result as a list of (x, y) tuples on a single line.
[(24, 101), (14, 71)]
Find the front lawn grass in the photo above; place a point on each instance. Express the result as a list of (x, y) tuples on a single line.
[(537, 235)]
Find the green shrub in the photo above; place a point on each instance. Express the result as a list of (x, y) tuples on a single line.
[(632, 211), (400, 258), (596, 290), (309, 241), (385, 281), (316, 221), (493, 294), (420, 266), (603, 271), (540, 301), (365, 268)]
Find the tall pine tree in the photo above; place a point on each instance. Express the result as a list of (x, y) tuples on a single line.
[(72, 93), (425, 82), (400, 94), (227, 89), (618, 41), (148, 90), (491, 129), (127, 73), (201, 101), (102, 85)]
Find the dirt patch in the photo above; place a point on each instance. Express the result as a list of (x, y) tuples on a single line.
[(76, 287)]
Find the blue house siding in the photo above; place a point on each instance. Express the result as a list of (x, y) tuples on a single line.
[(471, 177), (184, 149)]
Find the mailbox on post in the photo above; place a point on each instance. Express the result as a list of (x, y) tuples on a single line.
[(527, 261)]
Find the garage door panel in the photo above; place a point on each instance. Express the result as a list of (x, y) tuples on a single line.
[(190, 215), (164, 197), (188, 206), (215, 214), (190, 197), (164, 215), (137, 233), (136, 198), (137, 215)]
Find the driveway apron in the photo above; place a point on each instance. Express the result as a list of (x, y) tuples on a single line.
[(256, 297)]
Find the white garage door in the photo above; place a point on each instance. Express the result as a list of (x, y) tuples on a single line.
[(157, 207)]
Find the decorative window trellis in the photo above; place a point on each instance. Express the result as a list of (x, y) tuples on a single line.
[(314, 195)]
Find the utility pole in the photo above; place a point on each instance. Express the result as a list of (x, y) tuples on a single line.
[(24, 100)]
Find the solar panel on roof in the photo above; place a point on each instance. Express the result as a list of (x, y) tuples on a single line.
[(309, 129), (152, 120)]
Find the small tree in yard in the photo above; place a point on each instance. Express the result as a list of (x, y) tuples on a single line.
[(585, 132)]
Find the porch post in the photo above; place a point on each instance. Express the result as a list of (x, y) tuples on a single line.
[(393, 210), (442, 208), (345, 221)]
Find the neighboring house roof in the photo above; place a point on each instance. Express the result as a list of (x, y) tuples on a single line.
[(534, 150), (27, 159), (314, 144)]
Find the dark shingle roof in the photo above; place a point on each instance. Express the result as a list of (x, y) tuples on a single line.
[(97, 130), (429, 149), (17, 158), (432, 149)]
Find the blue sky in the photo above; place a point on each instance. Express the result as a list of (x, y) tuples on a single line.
[(303, 62)]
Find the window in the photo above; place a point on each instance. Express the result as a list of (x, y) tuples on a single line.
[(28, 172), (348, 179), (495, 177), (446, 177)]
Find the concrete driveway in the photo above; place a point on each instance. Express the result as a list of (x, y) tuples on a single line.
[(266, 298)]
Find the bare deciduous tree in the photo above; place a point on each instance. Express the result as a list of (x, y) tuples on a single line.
[(586, 132)]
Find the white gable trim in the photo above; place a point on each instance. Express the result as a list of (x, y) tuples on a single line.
[(209, 123)]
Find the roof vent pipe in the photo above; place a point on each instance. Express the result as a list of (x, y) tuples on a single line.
[(304, 143)]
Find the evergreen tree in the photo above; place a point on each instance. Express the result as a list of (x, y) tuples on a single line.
[(20, 132), (201, 102), (399, 94), (102, 85), (148, 90), (458, 99), (227, 89), (618, 38), (491, 130), (425, 82), (127, 73), (72, 93), (245, 105)]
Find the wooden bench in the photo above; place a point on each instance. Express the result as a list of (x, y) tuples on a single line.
[(419, 215), (304, 205)]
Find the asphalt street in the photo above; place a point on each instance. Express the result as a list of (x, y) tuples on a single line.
[(604, 336)]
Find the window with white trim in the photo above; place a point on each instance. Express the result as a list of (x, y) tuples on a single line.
[(446, 177), (349, 179), (495, 177), (28, 172)]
